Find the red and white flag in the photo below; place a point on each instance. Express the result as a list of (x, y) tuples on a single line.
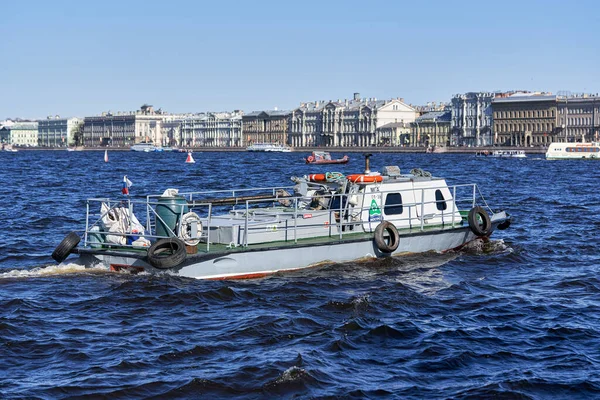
[(126, 185)]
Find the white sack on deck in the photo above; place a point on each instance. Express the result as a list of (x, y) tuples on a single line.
[(117, 220)]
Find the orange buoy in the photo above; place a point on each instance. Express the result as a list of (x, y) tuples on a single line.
[(360, 178), (317, 178)]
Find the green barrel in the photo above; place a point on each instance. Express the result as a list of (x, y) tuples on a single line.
[(169, 209)]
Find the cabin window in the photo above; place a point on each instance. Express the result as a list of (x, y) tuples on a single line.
[(393, 204), (440, 202)]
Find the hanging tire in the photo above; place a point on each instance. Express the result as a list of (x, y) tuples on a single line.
[(166, 253), (479, 221), (390, 243), (64, 248)]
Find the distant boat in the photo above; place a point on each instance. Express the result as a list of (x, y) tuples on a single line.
[(269, 147), (323, 157), (569, 151), (146, 147), (190, 159), (105, 155), (509, 154), (9, 148)]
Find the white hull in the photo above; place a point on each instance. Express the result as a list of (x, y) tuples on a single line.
[(573, 151), (255, 263)]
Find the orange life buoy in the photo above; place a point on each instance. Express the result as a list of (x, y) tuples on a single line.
[(317, 178), (360, 178)]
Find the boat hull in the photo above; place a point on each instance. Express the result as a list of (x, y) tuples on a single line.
[(342, 161), (259, 262)]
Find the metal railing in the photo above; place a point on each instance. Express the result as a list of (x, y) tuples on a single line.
[(342, 217)]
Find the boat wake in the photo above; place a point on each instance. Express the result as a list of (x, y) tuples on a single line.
[(486, 247), (51, 270)]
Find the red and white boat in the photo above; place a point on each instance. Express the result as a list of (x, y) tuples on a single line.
[(323, 157)]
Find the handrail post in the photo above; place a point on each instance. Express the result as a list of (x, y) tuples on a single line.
[(208, 227), (341, 219), (87, 222), (422, 209), (148, 227), (296, 220), (453, 203), (474, 193), (246, 226)]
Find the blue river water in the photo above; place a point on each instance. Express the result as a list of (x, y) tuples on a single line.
[(516, 318)]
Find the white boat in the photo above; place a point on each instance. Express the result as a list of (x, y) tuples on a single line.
[(144, 147), (509, 153), (248, 233), (9, 148), (269, 147), (564, 151)]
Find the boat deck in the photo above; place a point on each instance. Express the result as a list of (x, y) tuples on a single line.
[(215, 249)]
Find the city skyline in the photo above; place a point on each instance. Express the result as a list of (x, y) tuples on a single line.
[(75, 59)]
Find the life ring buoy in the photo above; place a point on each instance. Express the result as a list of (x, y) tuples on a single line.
[(64, 248), (310, 159), (389, 244), (187, 222), (166, 253), (479, 221), (360, 178), (317, 178)]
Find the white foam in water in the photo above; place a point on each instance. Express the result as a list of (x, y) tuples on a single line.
[(60, 269), (493, 246)]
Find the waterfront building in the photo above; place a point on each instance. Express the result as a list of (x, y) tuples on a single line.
[(432, 129), (24, 134), (578, 118), (356, 122), (213, 129), (395, 134), (57, 132), (265, 127), (471, 120), (124, 129), (525, 119)]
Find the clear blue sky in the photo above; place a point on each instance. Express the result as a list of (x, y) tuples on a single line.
[(79, 58)]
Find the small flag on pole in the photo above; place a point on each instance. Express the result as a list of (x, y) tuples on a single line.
[(126, 185)]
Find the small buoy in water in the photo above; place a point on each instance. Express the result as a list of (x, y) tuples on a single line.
[(190, 159), (105, 155)]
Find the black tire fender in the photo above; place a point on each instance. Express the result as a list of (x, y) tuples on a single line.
[(64, 248), (389, 244), (479, 221), (166, 253), (504, 225)]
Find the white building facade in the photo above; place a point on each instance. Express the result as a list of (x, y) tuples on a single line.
[(471, 123), (347, 123), (218, 129), (123, 129), (24, 134), (57, 132)]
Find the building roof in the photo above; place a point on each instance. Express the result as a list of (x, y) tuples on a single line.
[(441, 116), (524, 99), (395, 125), (347, 105), (270, 113)]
